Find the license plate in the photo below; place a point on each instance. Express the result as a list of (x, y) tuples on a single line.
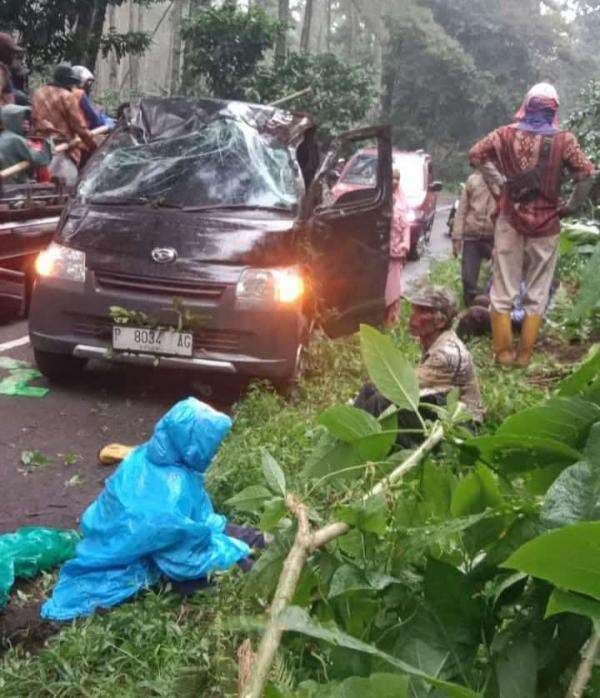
[(139, 339)]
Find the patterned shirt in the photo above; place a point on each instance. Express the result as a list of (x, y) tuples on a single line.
[(513, 152), (448, 364), (56, 113)]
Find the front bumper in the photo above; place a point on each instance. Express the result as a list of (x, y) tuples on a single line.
[(259, 339)]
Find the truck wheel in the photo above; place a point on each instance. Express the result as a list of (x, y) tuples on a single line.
[(59, 368)]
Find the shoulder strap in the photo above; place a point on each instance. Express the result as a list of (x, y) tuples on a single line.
[(545, 149)]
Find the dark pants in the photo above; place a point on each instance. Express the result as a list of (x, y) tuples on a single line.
[(474, 251), (372, 401)]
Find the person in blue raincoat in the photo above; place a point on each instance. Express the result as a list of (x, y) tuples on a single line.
[(153, 518)]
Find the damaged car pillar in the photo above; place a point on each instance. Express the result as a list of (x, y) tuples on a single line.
[(208, 225)]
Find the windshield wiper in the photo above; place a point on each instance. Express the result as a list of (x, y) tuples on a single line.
[(247, 207), (138, 201)]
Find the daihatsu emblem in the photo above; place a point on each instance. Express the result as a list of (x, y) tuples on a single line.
[(162, 255)]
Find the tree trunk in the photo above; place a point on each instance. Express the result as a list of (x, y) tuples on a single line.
[(306, 27), (328, 26), (283, 15), (90, 25), (113, 66), (176, 26)]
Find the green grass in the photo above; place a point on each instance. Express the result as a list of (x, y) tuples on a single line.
[(161, 645)]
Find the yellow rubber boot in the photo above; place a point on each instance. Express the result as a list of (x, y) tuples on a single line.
[(529, 334), (114, 453), (502, 338)]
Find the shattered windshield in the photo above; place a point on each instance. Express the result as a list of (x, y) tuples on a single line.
[(225, 162)]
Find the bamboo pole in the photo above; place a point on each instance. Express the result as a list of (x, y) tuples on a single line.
[(304, 544), (289, 98), (23, 166)]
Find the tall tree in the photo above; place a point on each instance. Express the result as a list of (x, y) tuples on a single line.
[(56, 30), (283, 15), (306, 27)]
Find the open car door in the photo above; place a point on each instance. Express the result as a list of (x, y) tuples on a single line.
[(348, 225)]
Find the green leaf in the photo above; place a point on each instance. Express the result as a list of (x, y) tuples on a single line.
[(476, 492), (376, 447), (467, 498), (519, 532), (369, 515), (295, 619), (250, 499), (451, 598), (575, 494), (515, 454), (348, 423), (336, 459), (581, 378), (273, 474), (389, 370), (516, 669), (34, 458), (274, 511), (564, 419), (347, 578), (567, 602), (378, 685), (568, 557), (436, 488)]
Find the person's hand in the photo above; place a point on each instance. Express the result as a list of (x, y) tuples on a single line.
[(457, 247)]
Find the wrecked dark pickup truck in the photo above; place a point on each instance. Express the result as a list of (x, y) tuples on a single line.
[(29, 215), (210, 226)]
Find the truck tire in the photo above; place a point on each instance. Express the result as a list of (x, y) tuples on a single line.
[(59, 368)]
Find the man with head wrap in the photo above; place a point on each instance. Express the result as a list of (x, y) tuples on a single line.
[(523, 164)]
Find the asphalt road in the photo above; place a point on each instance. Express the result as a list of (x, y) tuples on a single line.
[(66, 428)]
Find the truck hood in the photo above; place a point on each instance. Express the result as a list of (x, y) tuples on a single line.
[(121, 239)]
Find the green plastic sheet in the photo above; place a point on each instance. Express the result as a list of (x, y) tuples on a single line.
[(16, 383), (29, 551)]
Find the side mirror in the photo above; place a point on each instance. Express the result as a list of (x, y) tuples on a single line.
[(435, 186)]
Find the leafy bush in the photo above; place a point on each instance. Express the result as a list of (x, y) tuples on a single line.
[(421, 579), (341, 94), (224, 46)]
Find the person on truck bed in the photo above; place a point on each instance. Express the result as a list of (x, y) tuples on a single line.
[(15, 123), (57, 114)]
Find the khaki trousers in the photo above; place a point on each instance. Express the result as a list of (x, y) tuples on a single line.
[(519, 258)]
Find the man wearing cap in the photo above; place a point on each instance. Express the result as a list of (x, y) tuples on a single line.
[(57, 114), (445, 361), (524, 164)]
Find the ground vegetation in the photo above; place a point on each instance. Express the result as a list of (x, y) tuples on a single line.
[(422, 590)]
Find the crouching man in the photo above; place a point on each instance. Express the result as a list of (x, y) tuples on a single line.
[(445, 361)]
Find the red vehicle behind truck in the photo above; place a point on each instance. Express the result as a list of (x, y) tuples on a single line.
[(416, 180)]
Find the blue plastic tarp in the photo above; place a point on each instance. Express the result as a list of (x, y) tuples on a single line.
[(152, 518)]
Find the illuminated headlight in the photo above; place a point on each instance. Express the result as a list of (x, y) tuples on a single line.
[(61, 262), (283, 285)]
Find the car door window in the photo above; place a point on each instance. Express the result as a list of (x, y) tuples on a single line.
[(352, 175)]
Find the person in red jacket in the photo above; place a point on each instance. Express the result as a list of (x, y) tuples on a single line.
[(523, 164)]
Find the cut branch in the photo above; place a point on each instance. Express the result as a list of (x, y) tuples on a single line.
[(305, 543), (585, 669)]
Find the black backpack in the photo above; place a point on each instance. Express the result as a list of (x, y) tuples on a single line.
[(527, 186)]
